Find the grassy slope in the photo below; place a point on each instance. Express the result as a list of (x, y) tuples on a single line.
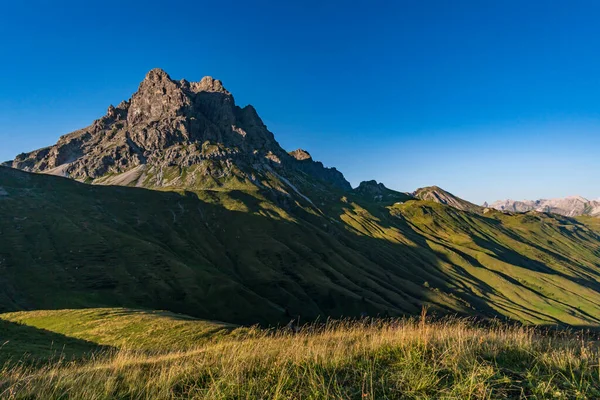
[(537, 268), (408, 359), (123, 328), (251, 256), (44, 335)]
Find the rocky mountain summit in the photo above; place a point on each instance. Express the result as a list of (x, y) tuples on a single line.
[(439, 195), (175, 134), (571, 206)]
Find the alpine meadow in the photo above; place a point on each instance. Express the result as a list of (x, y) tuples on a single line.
[(173, 249)]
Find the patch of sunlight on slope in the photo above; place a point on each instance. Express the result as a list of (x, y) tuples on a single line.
[(522, 266), (125, 328), (361, 221), (503, 294), (245, 201)]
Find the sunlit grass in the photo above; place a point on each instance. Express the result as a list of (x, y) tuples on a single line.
[(412, 359), (122, 327)]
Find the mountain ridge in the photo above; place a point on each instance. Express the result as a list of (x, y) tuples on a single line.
[(178, 199), (244, 256), (571, 206)]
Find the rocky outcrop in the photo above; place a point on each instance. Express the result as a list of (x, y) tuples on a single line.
[(300, 155), (439, 195), (302, 161), (374, 191), (169, 123), (571, 206), (371, 188)]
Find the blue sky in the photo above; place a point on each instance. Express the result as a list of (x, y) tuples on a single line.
[(487, 99)]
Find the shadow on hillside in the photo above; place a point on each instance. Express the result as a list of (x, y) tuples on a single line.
[(27, 344), (88, 246), (505, 253)]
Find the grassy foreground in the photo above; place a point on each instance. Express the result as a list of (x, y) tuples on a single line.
[(412, 359)]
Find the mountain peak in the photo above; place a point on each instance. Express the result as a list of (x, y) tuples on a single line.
[(169, 124), (377, 191), (371, 185), (439, 195), (157, 75), (371, 188), (208, 84), (577, 198)]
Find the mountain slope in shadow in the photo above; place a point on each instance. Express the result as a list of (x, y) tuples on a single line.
[(249, 256)]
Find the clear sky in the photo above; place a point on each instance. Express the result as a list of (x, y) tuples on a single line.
[(487, 99)]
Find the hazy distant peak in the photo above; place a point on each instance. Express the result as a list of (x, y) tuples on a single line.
[(577, 198), (570, 206)]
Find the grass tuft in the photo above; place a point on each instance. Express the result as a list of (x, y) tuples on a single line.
[(396, 359)]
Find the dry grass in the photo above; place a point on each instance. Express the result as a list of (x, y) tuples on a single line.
[(412, 359)]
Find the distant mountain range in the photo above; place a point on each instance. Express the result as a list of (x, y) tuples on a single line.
[(178, 199), (571, 206)]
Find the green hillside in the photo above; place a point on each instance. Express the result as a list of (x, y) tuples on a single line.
[(261, 255), (72, 334), (124, 328)]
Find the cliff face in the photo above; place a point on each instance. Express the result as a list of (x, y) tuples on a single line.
[(169, 123)]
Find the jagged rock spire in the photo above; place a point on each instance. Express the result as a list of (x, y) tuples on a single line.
[(173, 123)]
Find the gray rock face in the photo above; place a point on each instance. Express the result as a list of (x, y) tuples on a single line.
[(372, 190), (170, 123), (371, 187), (439, 195), (571, 206), (305, 163), (377, 192)]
